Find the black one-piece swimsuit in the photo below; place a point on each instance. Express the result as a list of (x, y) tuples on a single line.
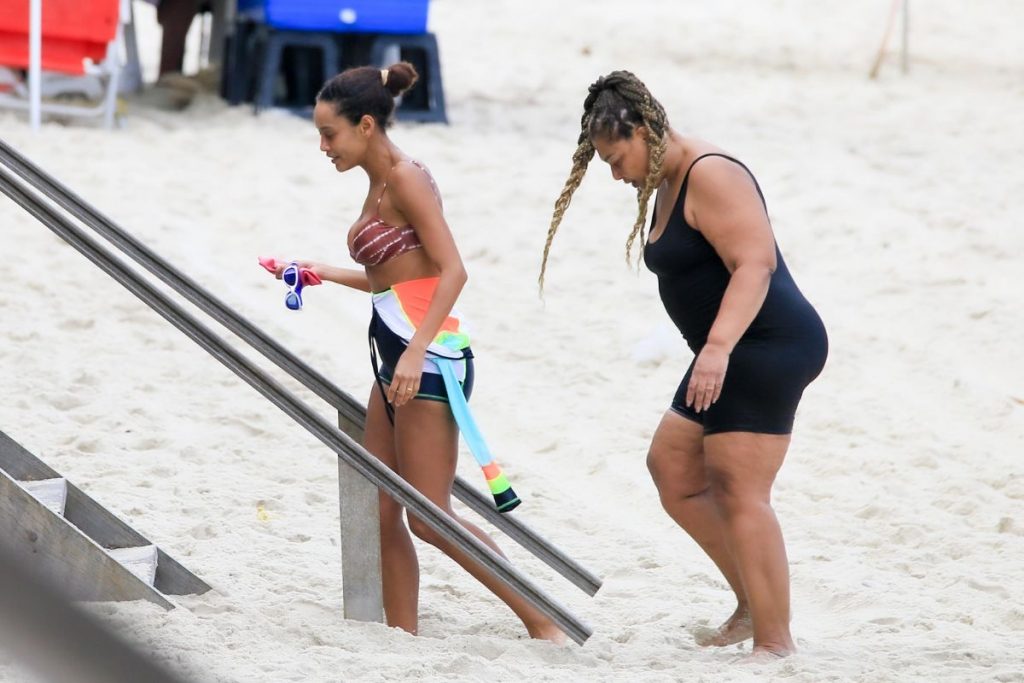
[(781, 352)]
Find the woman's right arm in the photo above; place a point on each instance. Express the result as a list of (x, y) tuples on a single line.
[(350, 277)]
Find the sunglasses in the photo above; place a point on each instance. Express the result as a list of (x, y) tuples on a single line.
[(292, 276)]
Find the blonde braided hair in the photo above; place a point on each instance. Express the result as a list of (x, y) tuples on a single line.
[(615, 106)]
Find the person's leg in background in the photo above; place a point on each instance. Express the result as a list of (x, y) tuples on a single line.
[(173, 91), (175, 18)]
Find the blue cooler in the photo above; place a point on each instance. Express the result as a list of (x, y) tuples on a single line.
[(339, 16)]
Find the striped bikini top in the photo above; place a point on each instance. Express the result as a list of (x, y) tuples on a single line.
[(378, 242)]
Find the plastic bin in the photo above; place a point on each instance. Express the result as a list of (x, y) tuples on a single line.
[(339, 16), (73, 30)]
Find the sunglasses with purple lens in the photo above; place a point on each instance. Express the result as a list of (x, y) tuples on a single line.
[(292, 277)]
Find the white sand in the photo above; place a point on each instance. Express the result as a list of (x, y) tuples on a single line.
[(897, 204)]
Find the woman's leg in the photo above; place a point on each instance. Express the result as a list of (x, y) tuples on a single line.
[(400, 571), (676, 463), (426, 439), (742, 468)]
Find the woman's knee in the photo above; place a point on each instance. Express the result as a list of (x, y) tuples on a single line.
[(733, 495), (660, 465), (676, 475), (390, 512), (425, 532)]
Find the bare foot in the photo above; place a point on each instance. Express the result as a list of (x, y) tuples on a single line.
[(548, 631), (736, 629), (763, 654)]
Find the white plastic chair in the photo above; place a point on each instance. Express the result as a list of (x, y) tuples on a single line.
[(97, 81)]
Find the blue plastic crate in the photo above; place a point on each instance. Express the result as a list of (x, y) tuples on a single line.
[(339, 16)]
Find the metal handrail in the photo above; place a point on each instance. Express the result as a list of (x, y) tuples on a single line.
[(350, 410), (342, 444)]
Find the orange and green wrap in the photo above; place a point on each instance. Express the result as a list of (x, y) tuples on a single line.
[(402, 308), (504, 497)]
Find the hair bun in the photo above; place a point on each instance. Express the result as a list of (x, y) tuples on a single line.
[(401, 77)]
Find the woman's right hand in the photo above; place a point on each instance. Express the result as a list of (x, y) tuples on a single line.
[(315, 273), (708, 377), (281, 264)]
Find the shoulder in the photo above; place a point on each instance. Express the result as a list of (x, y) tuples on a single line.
[(410, 176), (413, 188), (716, 177), (720, 188)]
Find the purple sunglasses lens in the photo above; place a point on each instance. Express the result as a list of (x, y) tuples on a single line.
[(290, 276), (293, 301)]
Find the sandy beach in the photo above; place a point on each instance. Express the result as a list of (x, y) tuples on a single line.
[(897, 204)]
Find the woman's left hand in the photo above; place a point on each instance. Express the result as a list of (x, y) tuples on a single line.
[(708, 377), (406, 381)]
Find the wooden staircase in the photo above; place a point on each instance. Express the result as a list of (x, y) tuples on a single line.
[(75, 541)]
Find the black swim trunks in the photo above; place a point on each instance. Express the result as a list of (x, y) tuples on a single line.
[(386, 348)]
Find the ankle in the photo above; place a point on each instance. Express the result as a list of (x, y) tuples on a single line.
[(780, 647)]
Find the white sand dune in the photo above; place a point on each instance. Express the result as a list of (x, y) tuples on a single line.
[(897, 204)]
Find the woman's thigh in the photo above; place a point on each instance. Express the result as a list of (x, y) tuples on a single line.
[(426, 448), (676, 456), (378, 433), (744, 464), (379, 440)]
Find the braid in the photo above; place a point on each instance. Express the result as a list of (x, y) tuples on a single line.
[(616, 105), (636, 94), (580, 160)]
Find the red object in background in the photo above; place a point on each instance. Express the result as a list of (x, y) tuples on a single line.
[(72, 31)]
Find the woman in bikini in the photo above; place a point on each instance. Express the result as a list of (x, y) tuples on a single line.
[(413, 270), (757, 344)]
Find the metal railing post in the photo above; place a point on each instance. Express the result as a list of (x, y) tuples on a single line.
[(359, 508)]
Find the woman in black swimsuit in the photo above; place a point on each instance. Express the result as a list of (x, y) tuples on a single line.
[(757, 343)]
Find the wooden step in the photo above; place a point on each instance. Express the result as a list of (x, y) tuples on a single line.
[(140, 560), (53, 493)]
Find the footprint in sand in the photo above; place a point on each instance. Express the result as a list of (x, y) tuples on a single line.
[(151, 443), (84, 379), (211, 608), (67, 401), (203, 532), (77, 324), (994, 589), (251, 429), (21, 336), (1008, 526), (312, 498), (885, 621), (87, 445)]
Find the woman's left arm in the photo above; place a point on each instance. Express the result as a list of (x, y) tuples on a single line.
[(727, 210), (412, 193)]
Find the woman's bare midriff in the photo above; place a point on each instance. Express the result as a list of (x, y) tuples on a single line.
[(412, 265)]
